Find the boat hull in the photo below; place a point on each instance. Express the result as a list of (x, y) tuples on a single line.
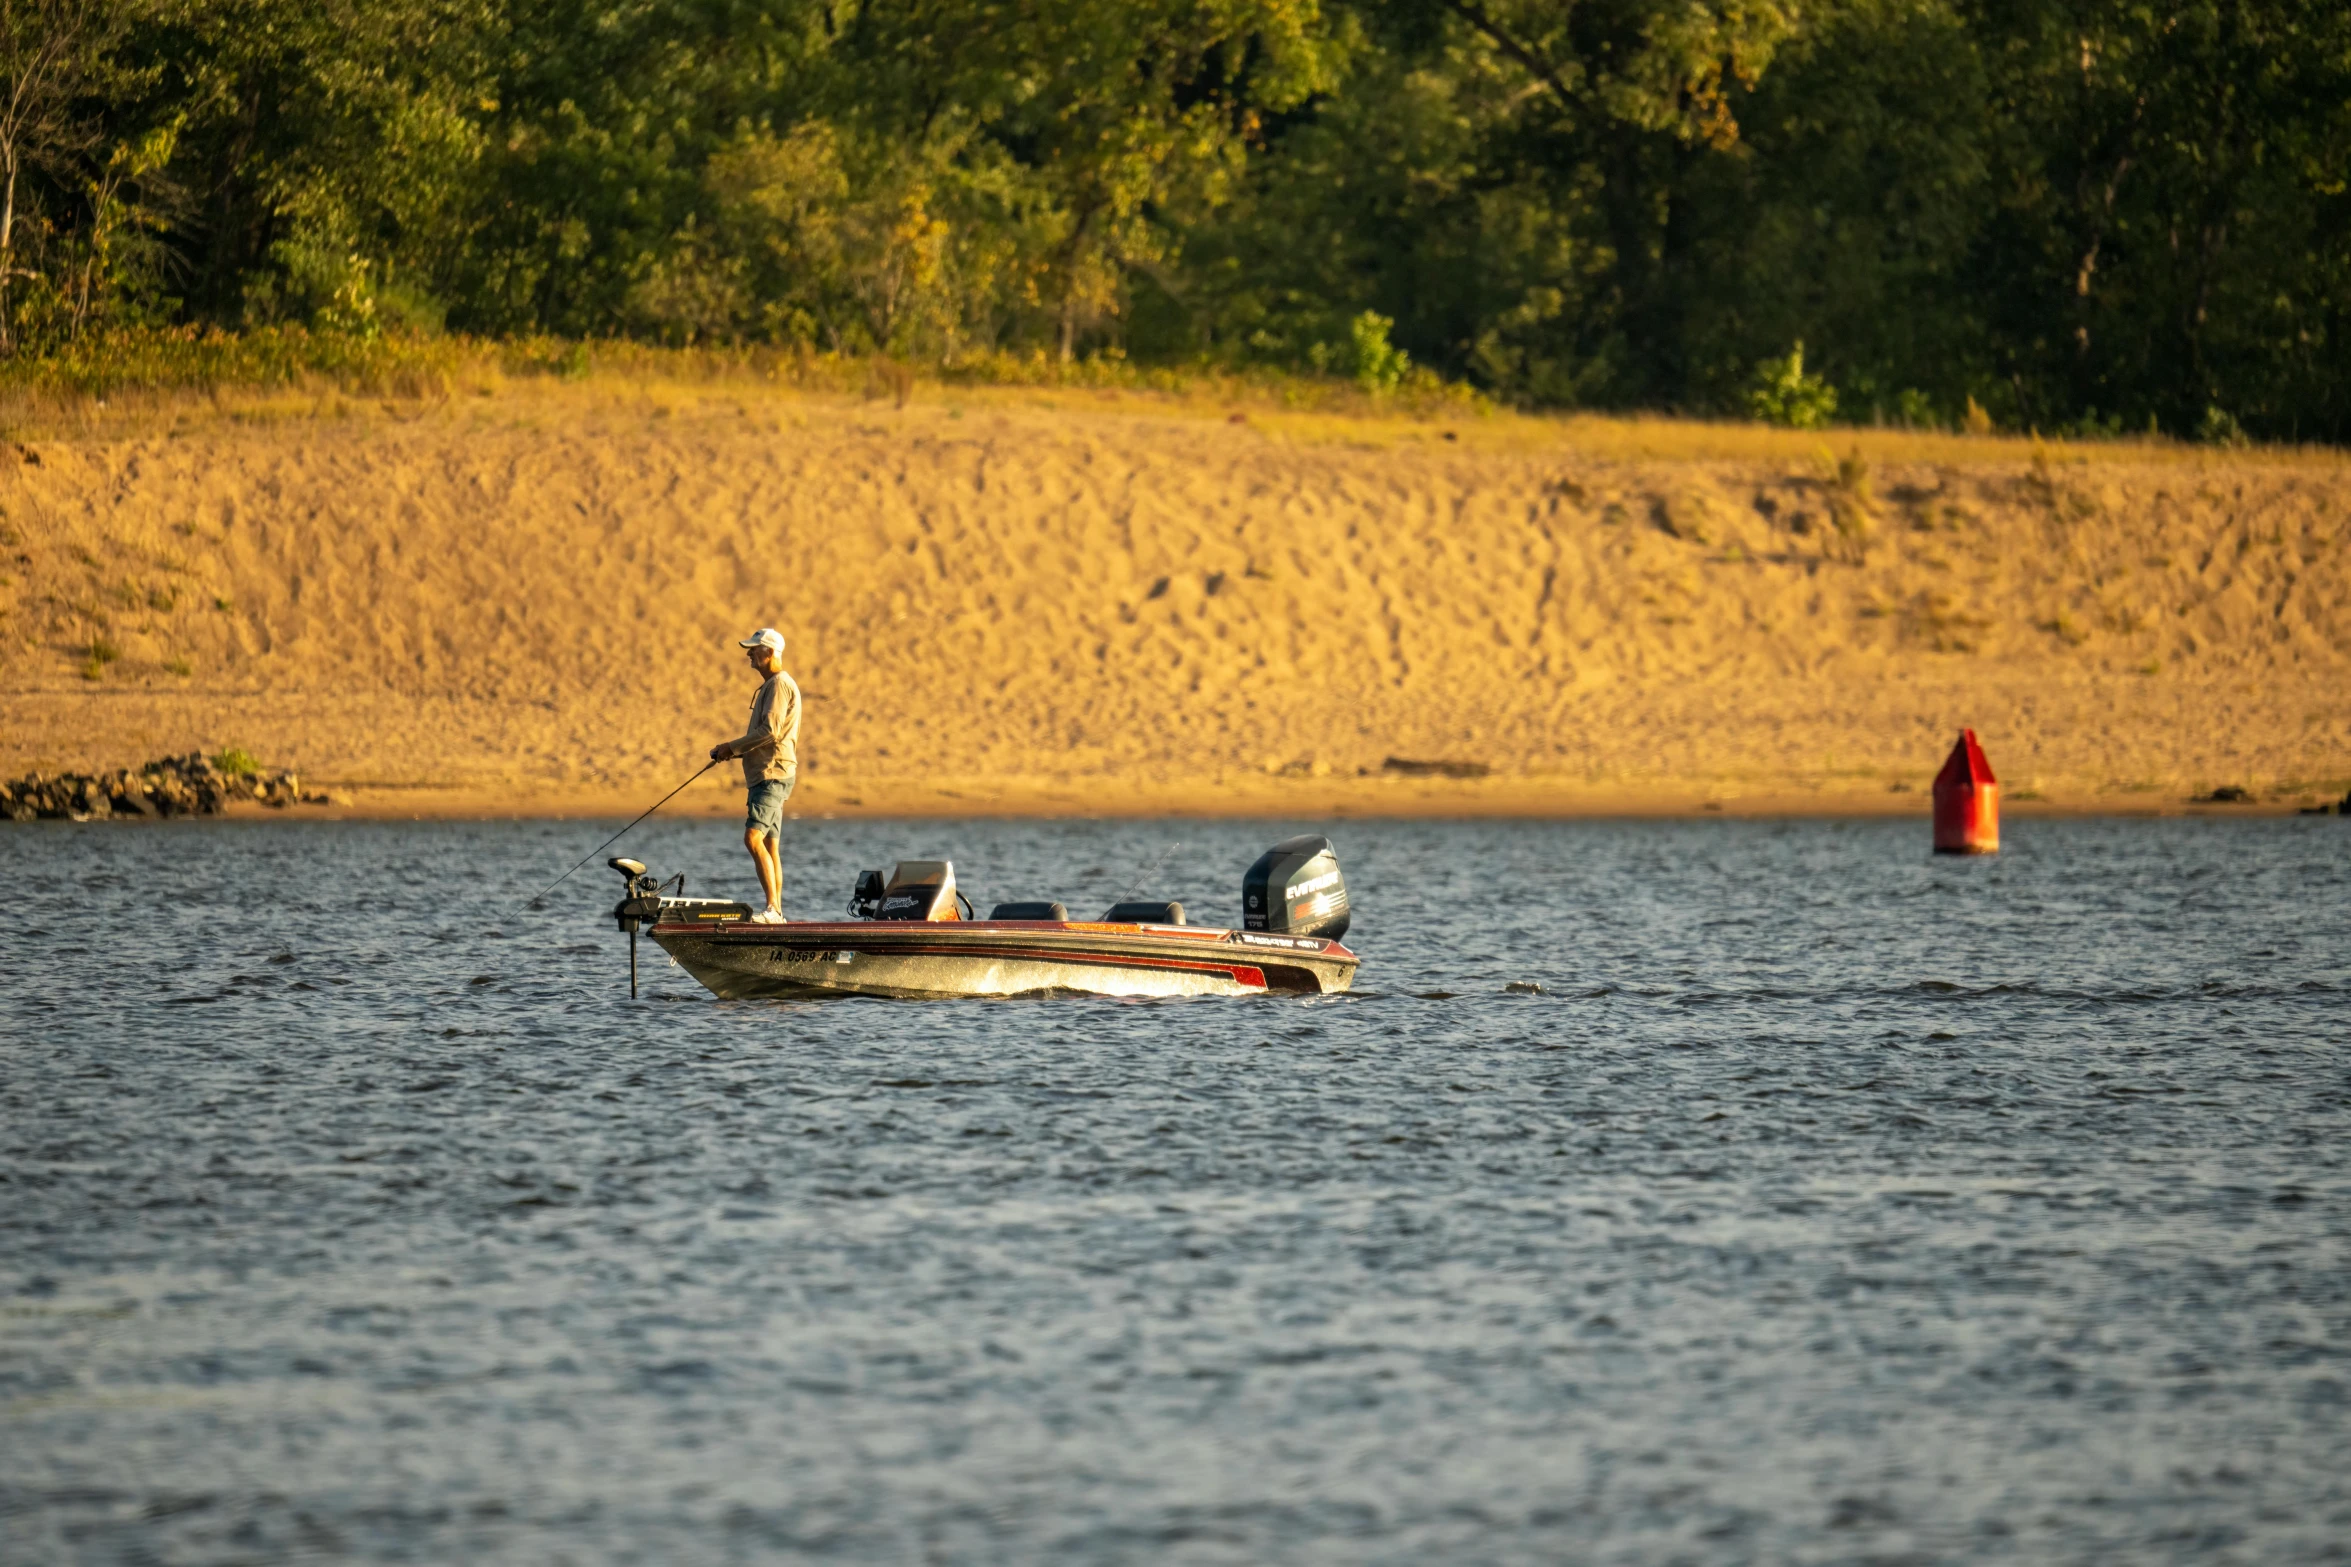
[(738, 959)]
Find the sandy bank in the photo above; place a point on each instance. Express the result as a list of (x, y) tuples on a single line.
[(524, 600)]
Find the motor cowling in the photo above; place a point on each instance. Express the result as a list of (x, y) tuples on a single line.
[(1295, 887), (920, 890), (916, 890)]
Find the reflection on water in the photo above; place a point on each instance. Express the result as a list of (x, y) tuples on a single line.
[(1667, 1191)]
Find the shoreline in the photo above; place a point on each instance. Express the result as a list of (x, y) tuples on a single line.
[(1372, 799)]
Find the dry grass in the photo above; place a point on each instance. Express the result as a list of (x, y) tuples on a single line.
[(1659, 439), (135, 380), (140, 381)]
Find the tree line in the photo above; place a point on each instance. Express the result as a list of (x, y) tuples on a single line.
[(2095, 216)]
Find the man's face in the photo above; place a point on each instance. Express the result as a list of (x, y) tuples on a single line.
[(765, 659)]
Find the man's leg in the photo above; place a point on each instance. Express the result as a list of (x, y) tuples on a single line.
[(762, 845)]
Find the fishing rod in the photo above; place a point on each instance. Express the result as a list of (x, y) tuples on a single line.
[(624, 832)]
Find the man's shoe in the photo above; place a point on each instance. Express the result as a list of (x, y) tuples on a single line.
[(769, 917)]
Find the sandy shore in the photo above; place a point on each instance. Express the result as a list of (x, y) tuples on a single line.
[(1330, 801), (524, 600)]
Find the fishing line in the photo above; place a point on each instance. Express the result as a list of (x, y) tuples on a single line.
[(1149, 871), (624, 832)]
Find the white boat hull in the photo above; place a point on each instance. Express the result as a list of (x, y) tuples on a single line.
[(737, 959)]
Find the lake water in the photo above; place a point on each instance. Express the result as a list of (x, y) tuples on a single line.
[(1829, 1203)]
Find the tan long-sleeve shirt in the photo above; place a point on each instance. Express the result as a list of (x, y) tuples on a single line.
[(770, 748)]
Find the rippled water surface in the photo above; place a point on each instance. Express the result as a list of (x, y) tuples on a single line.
[(1827, 1203)]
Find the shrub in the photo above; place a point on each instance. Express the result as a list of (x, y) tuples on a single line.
[(237, 762), (1783, 394), (2220, 428), (1379, 365)]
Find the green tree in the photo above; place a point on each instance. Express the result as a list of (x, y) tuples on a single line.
[(2174, 224), (68, 189), (2076, 214), (1101, 125), (331, 149)]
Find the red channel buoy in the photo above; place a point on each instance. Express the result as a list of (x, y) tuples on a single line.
[(1967, 801)]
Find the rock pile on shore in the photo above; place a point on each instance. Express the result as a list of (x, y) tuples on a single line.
[(191, 785)]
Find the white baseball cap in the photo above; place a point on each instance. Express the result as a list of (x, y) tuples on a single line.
[(765, 636)]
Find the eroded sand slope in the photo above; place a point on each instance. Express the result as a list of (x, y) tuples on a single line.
[(530, 596)]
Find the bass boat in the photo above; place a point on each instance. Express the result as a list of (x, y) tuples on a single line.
[(911, 934)]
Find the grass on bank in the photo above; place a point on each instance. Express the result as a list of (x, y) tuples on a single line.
[(122, 380), (157, 365)]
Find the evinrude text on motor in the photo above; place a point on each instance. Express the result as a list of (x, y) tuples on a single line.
[(911, 934)]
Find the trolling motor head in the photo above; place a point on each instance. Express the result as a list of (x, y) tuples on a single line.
[(641, 902)]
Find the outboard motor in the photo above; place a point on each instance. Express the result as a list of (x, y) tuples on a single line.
[(916, 890), (1295, 887)]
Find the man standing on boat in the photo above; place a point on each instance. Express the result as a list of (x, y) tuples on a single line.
[(770, 749)]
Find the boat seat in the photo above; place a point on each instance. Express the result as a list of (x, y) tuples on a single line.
[(1028, 911), (1144, 914)]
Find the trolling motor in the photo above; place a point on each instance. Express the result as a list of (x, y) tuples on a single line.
[(640, 905)]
